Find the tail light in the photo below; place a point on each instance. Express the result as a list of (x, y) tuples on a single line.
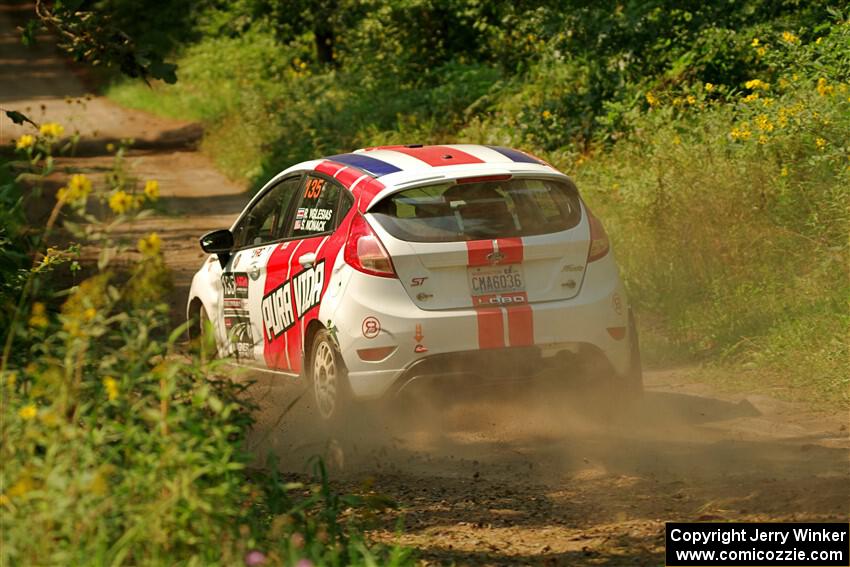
[(599, 243), (364, 251)]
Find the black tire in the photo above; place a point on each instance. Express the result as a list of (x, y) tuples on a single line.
[(328, 379)]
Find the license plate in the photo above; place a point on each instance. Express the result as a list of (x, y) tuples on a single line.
[(496, 280)]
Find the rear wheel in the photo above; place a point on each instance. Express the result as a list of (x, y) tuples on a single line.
[(329, 378)]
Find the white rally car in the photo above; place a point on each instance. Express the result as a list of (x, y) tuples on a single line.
[(366, 271)]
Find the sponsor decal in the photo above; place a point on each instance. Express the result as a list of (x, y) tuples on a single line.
[(572, 268), (235, 285), (617, 302), (501, 299), (278, 315), (307, 286), (301, 213), (290, 301), (257, 252), (371, 327), (237, 320)]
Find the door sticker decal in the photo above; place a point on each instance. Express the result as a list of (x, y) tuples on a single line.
[(287, 303), (237, 320)]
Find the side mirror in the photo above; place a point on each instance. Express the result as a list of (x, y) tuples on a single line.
[(217, 242)]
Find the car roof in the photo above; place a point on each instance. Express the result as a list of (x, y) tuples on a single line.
[(373, 173)]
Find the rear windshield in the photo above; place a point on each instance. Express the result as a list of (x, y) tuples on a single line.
[(476, 211)]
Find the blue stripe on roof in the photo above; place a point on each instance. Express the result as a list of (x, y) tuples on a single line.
[(368, 164), (515, 155)]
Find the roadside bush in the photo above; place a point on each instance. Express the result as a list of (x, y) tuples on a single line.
[(119, 446)]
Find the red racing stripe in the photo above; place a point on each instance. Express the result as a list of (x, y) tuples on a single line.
[(329, 167), (477, 252), (437, 155), (491, 327), (511, 249), (520, 325), (348, 176), (365, 192)]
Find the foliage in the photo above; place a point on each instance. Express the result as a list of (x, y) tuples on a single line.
[(119, 446), (92, 36)]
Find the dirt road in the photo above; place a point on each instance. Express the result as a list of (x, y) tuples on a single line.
[(40, 83), (511, 475)]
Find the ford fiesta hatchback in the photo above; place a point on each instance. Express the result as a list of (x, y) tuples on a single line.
[(367, 271)]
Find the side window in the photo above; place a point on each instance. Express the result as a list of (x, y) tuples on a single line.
[(265, 221), (318, 207)]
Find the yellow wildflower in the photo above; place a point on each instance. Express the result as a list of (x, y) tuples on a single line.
[(741, 132), (692, 99), (751, 97), (820, 143), (755, 42), (51, 130), (709, 87), (756, 84), (784, 172), (824, 88), (28, 412), (38, 319), (24, 142), (789, 37), (151, 245), (110, 147), (152, 188), (763, 123), (763, 139), (110, 384), (77, 191), (546, 115), (761, 51), (89, 313), (120, 202), (651, 99)]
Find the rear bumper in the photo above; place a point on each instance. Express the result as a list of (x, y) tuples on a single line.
[(433, 344), (487, 367)]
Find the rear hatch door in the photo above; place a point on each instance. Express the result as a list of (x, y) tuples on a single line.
[(493, 241)]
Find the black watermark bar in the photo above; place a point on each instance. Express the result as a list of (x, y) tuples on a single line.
[(766, 544)]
